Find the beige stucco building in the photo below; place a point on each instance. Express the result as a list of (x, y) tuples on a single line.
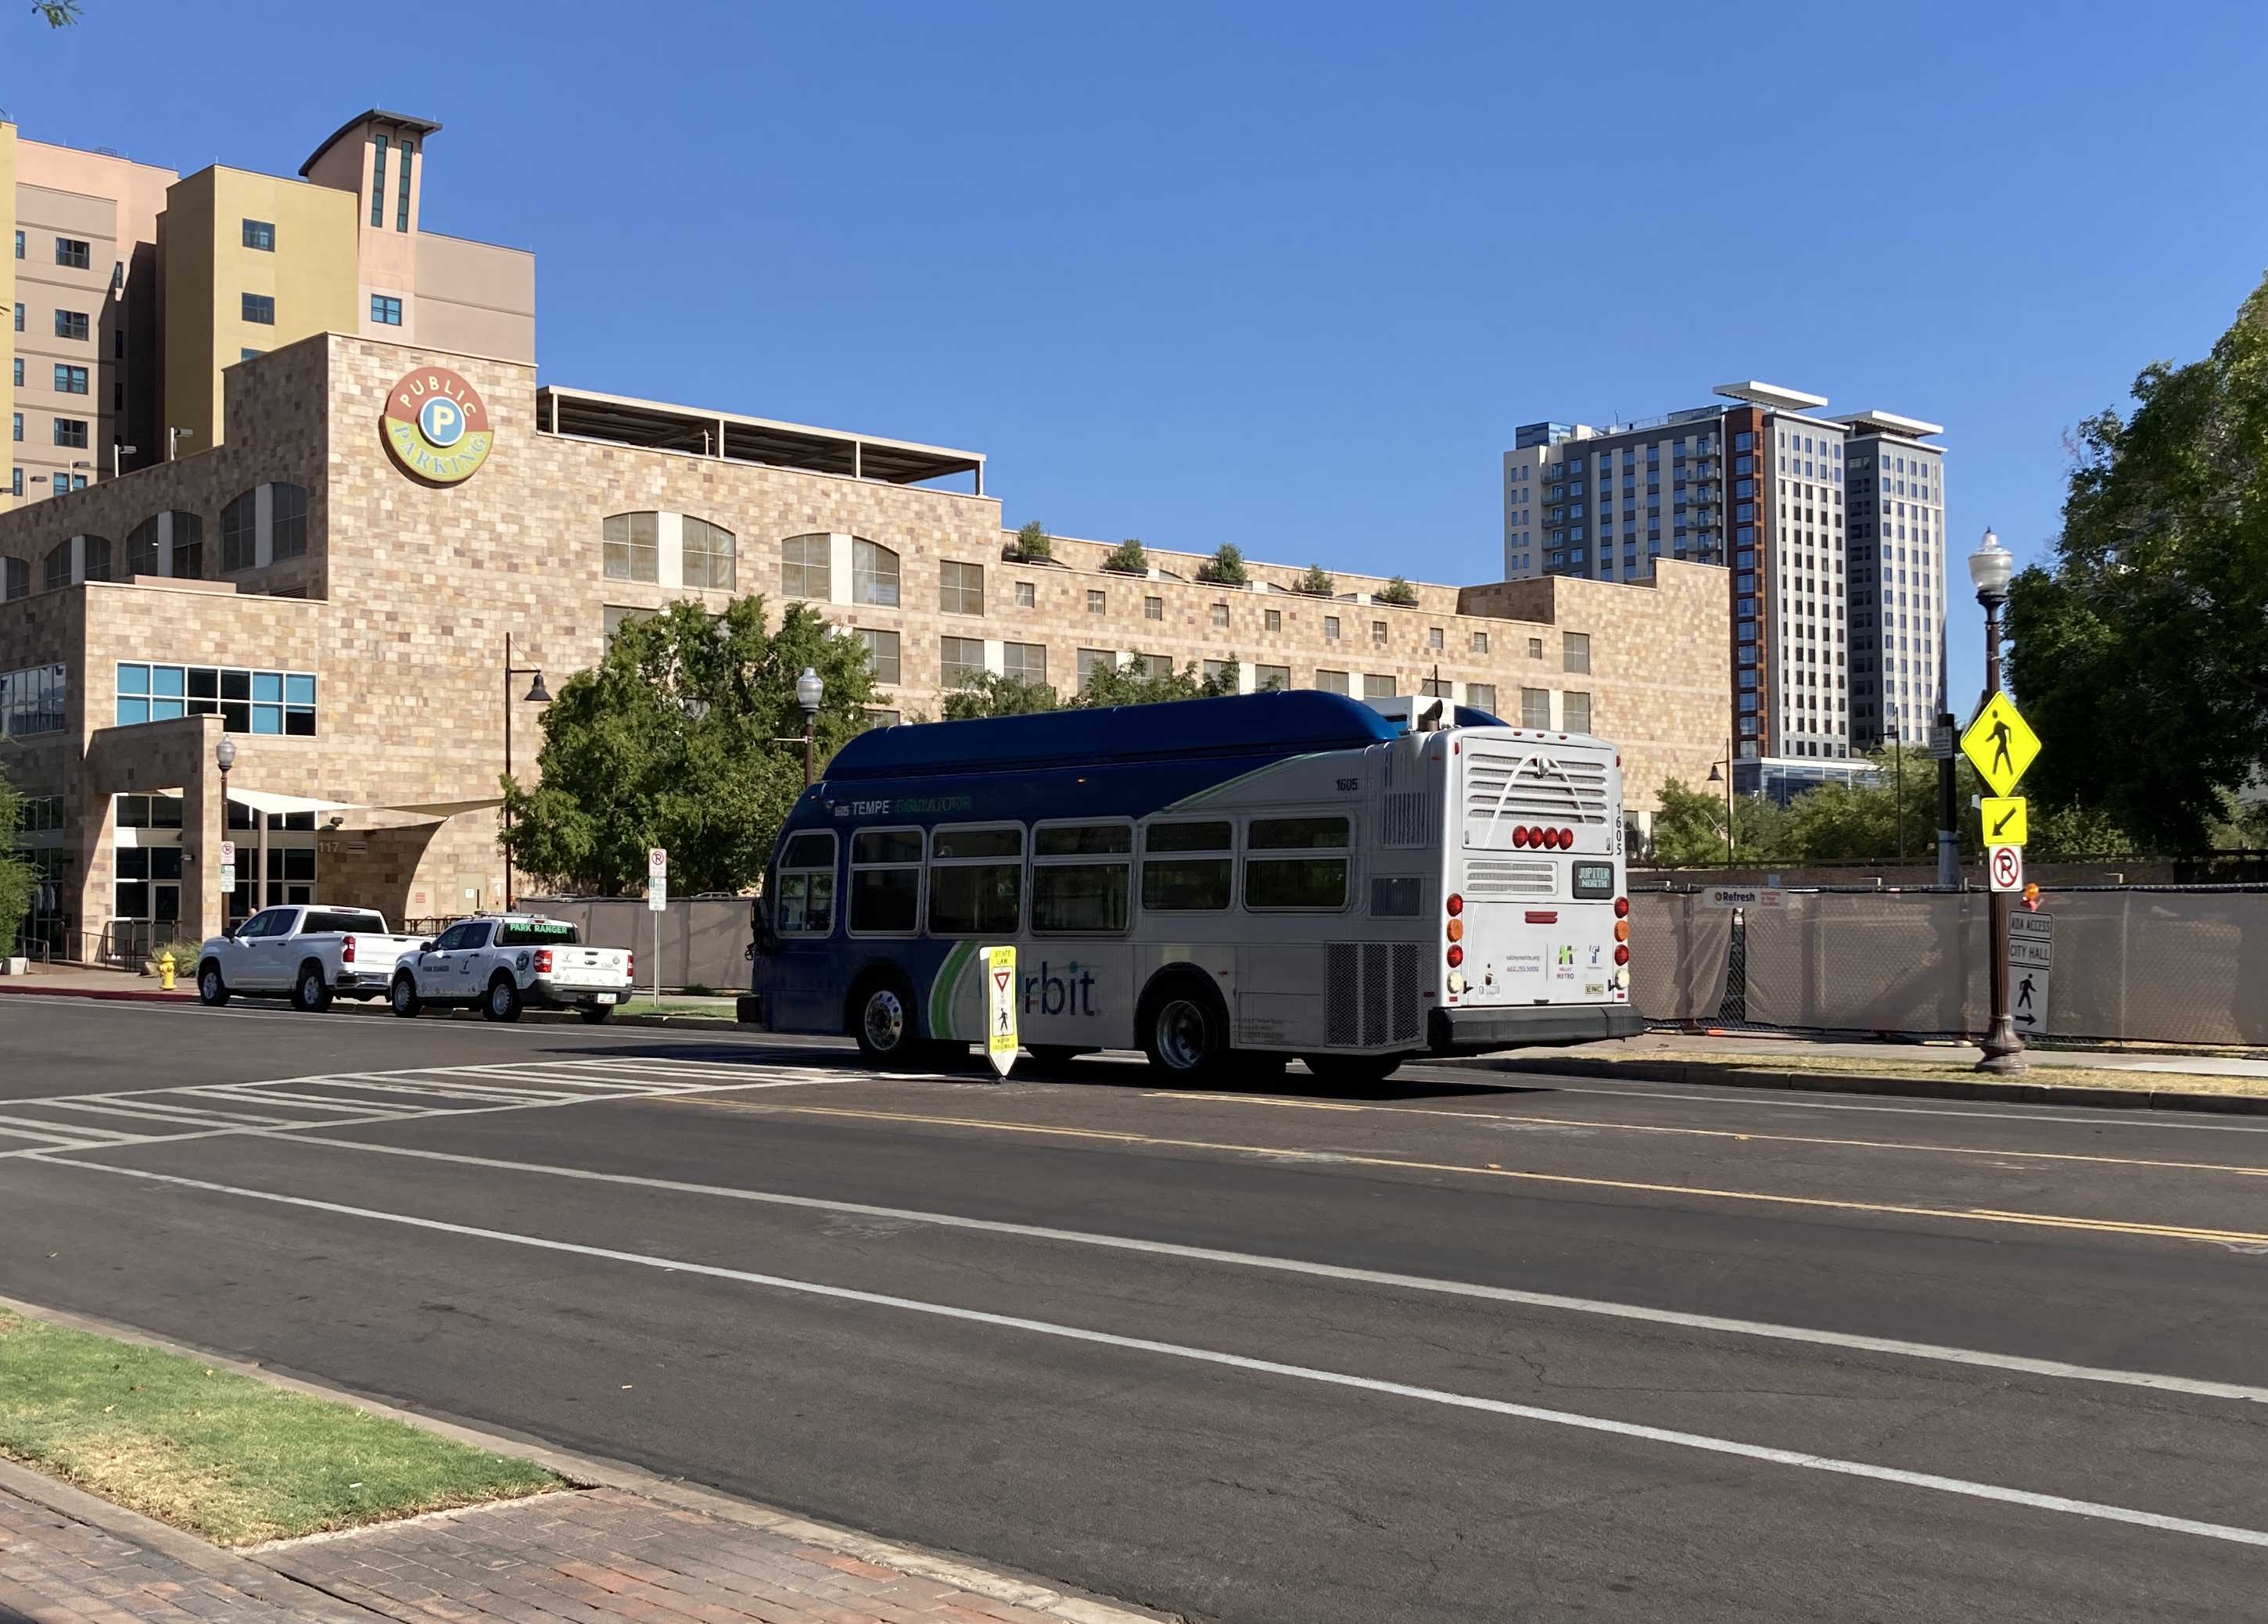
[(344, 624)]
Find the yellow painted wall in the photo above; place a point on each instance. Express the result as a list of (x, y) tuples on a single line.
[(8, 286), (310, 276)]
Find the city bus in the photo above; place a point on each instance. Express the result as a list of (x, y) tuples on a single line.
[(1222, 881)]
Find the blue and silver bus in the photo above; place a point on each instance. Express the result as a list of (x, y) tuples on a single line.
[(1256, 878)]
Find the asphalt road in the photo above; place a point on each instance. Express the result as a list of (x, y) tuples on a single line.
[(1453, 1349)]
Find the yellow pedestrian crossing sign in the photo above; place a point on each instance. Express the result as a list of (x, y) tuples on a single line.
[(2000, 743), (2003, 820)]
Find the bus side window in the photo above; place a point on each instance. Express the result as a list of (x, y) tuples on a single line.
[(1305, 866), (886, 870), (807, 885), (1082, 877), (976, 880), (1187, 868)]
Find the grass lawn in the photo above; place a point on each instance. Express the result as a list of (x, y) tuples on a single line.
[(223, 1455)]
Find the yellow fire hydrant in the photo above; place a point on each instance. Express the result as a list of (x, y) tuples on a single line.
[(166, 970)]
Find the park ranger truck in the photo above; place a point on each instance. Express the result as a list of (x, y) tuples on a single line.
[(502, 963)]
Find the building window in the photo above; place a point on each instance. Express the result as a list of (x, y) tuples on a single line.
[(385, 310), (1374, 687), (1273, 619), (260, 308), (287, 515), (19, 371), (1028, 596), (71, 432), (632, 547), (94, 558), (1097, 600), (402, 215), (806, 567), (1220, 614), (1153, 609), (1270, 678), (69, 379), (881, 654), (1330, 681), (32, 700), (1575, 713), (238, 522), (54, 570), (378, 184), (247, 353), (1436, 688), (873, 574), (19, 318), (73, 254), (19, 245), (16, 428), (1480, 642), (960, 661), (1536, 707), (1091, 660), (1330, 629), (1433, 637), (1378, 633), (259, 234), (1575, 652), (614, 617), (1480, 696), (69, 324), (707, 554), (247, 702), (189, 546), (1025, 662), (960, 588), (874, 718)]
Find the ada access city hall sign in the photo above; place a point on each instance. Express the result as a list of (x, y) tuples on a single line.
[(437, 426)]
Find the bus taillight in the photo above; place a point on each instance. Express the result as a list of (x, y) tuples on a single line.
[(1456, 905), (1622, 930), (1456, 930), (1549, 839), (1621, 954), (1621, 907), (1457, 957), (1520, 836), (1567, 840)]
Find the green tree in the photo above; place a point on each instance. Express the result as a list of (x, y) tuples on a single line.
[(1318, 581), (1127, 556), (2141, 651), (1688, 827), (1397, 591), (58, 13), (1225, 567), (669, 741), (1106, 686), (1033, 541), (16, 877), (995, 695)]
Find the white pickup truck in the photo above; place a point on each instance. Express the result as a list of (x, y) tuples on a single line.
[(308, 953), (504, 962)]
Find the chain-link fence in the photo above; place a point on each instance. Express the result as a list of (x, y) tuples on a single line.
[(2160, 965)]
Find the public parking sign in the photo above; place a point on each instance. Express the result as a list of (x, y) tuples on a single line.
[(2006, 866)]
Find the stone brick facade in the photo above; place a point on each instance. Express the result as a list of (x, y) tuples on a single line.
[(404, 595)]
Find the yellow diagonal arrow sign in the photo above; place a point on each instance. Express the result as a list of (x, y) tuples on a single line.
[(2000, 743)]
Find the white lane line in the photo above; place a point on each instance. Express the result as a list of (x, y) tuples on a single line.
[(175, 1115), (1792, 1099), (74, 1133), (1803, 1460), (392, 1084), (262, 1093), (2016, 1364)]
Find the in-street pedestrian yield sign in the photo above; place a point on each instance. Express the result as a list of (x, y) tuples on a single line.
[(2000, 743), (2003, 820)]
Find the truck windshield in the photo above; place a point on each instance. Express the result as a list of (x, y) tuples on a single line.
[(537, 933)]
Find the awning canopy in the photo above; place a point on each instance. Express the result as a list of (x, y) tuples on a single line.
[(275, 804)]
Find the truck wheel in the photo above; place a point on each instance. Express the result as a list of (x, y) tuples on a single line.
[(403, 996), (1184, 1026), (1353, 1070), (211, 990), (502, 1002), (311, 992), (882, 1019), (595, 1014)]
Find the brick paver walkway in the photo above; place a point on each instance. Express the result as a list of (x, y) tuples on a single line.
[(593, 1555)]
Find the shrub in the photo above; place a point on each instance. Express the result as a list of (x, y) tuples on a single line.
[(1225, 567), (1397, 591), (1318, 581), (1128, 558), (1034, 542)]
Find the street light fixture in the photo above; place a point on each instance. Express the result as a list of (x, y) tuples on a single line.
[(118, 450), (1990, 568), (224, 758), (173, 438), (537, 694)]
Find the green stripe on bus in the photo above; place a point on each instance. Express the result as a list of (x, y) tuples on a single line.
[(941, 990)]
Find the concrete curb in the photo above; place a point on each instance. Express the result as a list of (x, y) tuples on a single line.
[(580, 1470), (1703, 1073), (540, 1017), (116, 995)]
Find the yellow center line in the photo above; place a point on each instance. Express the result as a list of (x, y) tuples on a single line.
[(1964, 1215), (1713, 1133)]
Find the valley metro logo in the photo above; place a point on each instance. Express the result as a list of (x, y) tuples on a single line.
[(437, 426)]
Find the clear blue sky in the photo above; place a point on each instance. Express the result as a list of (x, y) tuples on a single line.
[(1285, 276)]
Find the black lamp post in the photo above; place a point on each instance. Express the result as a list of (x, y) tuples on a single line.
[(224, 758), (1990, 567), (809, 690), (537, 694), (1898, 744)]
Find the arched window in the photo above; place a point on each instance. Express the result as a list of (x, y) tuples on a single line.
[(632, 547), (95, 558), (141, 548), (287, 520), (189, 546), (874, 573), (707, 554), (239, 523), (55, 573), (806, 567), (18, 578)]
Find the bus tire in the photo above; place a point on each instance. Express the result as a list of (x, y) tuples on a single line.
[(882, 1019), (1353, 1070), (1184, 1026)]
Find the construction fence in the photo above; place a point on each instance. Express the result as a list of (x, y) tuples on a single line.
[(2174, 965), (703, 940)]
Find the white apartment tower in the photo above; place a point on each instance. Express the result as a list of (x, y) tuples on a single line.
[(1898, 563)]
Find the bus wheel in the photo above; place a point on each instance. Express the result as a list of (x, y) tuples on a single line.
[(1353, 1070), (882, 1020), (1184, 1027)]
